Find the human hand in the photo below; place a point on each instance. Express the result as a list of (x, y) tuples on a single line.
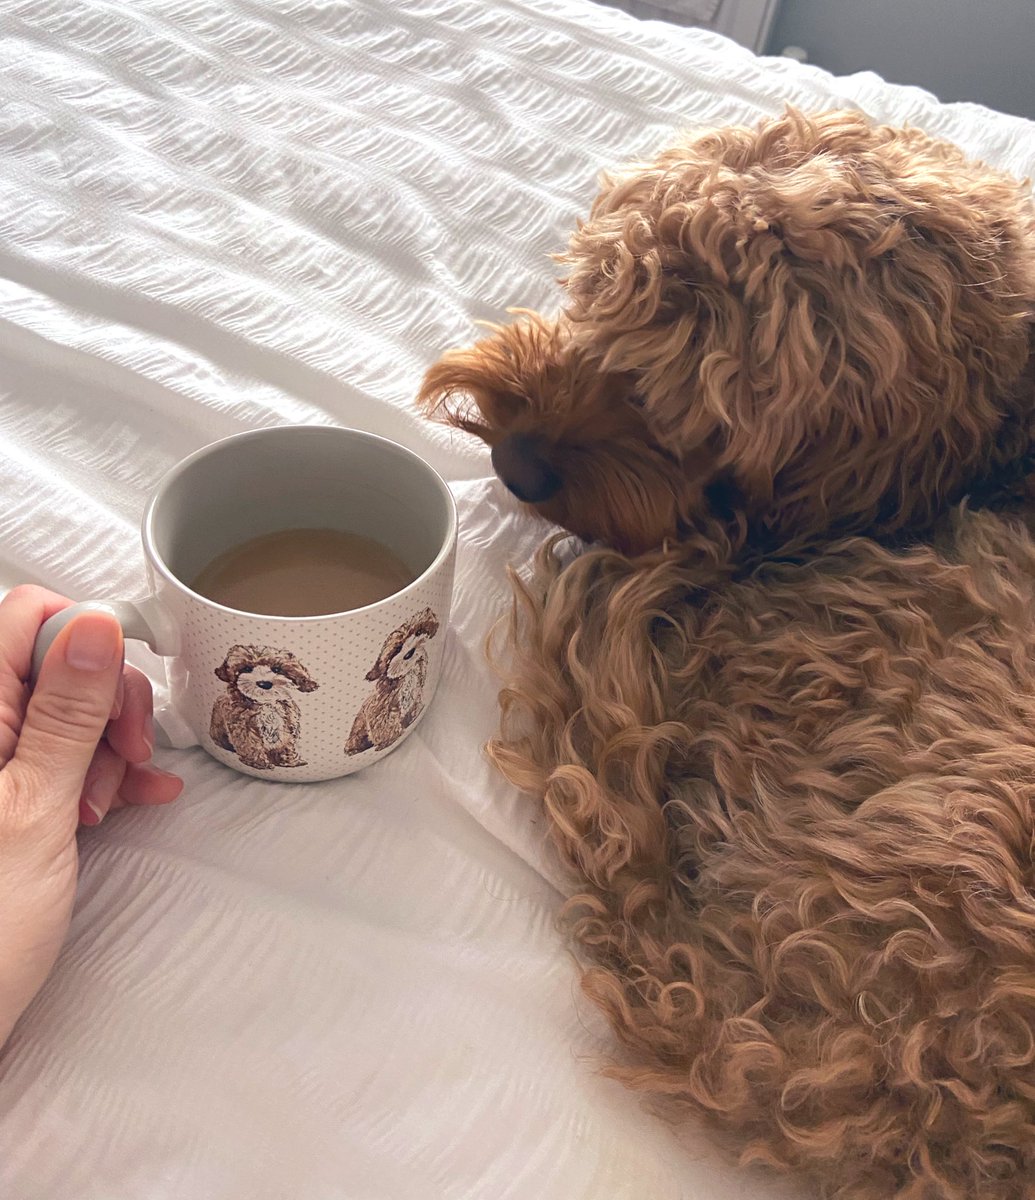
[(76, 746)]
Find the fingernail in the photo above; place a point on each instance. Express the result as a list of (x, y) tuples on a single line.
[(89, 813), (148, 733), (120, 696), (157, 773), (94, 641)]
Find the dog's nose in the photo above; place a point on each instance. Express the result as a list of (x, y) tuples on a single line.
[(522, 461), (265, 684)]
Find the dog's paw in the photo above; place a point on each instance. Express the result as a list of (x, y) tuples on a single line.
[(290, 761)]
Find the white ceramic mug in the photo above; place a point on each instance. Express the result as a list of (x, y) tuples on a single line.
[(292, 698)]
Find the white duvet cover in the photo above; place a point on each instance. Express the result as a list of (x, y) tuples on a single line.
[(222, 214)]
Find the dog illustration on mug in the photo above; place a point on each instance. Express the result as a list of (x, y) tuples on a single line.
[(257, 718), (399, 676)]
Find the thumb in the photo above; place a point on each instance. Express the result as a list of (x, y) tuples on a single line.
[(69, 709)]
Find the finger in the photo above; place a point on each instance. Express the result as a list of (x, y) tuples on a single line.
[(22, 611), (67, 712), (101, 786), (147, 785), (131, 734)]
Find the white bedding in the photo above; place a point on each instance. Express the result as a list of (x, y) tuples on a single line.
[(221, 214)]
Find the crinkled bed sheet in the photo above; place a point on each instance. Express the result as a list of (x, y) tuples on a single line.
[(223, 214)]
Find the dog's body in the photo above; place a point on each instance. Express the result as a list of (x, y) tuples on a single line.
[(399, 675), (793, 775), (800, 812), (256, 718)]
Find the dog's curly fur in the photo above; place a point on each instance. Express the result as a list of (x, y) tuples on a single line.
[(793, 772), (770, 335), (802, 810)]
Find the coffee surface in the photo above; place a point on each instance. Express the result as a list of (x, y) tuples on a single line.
[(303, 573)]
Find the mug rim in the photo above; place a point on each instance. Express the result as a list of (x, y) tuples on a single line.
[(175, 471)]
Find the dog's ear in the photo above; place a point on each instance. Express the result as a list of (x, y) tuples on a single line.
[(500, 374), (236, 658), (392, 645), (228, 668), (388, 651), (299, 676), (424, 622)]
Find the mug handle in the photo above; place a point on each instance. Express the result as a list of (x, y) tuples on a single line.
[(143, 621)]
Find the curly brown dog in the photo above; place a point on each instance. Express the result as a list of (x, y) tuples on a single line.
[(256, 718), (399, 676), (795, 789), (769, 335)]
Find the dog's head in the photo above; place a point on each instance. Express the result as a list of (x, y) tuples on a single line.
[(567, 438), (404, 648), (813, 326), (262, 674)]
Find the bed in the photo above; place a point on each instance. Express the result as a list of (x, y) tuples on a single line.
[(223, 214)]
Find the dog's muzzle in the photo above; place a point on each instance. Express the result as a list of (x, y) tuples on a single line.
[(265, 684), (522, 461)]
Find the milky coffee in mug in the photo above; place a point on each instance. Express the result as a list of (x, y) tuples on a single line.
[(303, 573)]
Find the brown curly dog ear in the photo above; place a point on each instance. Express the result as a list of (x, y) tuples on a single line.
[(236, 658), (289, 666)]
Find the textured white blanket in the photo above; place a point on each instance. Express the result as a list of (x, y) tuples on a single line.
[(220, 214)]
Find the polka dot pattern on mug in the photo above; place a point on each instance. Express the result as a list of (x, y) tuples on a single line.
[(303, 699)]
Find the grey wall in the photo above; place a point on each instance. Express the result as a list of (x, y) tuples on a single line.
[(982, 50)]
